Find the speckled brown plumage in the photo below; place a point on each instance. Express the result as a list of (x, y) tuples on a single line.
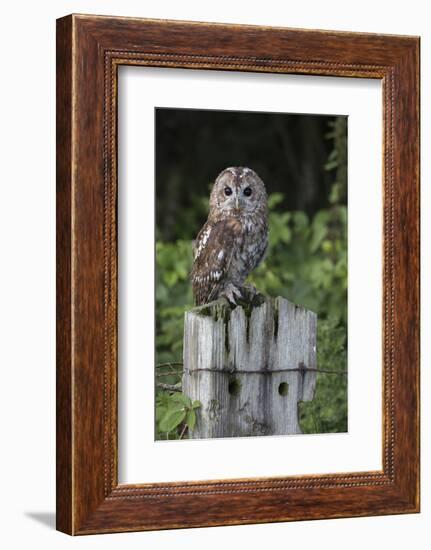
[(234, 238)]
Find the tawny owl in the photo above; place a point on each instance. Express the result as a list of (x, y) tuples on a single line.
[(234, 238)]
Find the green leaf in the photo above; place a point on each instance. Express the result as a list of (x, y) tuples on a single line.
[(191, 419), (171, 277), (333, 155), (320, 229), (160, 412), (196, 404), (274, 199), (182, 399), (171, 420), (331, 165), (327, 246), (300, 220)]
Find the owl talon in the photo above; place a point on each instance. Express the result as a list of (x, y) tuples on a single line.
[(232, 293)]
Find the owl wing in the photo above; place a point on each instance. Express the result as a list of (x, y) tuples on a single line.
[(213, 251), (260, 251)]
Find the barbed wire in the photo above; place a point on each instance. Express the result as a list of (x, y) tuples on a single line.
[(300, 368)]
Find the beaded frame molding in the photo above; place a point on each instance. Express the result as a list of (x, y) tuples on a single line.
[(89, 51)]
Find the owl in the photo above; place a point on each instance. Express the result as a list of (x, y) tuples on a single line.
[(234, 238)]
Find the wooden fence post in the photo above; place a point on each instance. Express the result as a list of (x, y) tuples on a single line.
[(249, 366)]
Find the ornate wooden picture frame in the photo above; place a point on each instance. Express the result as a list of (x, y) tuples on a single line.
[(89, 51)]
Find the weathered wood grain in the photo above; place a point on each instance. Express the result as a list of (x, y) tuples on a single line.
[(90, 49), (248, 366)]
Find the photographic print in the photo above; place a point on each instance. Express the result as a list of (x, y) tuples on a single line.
[(251, 273)]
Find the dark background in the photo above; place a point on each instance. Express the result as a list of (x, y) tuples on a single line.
[(288, 151)]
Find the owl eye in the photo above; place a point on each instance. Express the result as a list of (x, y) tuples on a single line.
[(227, 191), (247, 191)]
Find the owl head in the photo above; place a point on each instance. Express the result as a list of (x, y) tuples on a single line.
[(238, 191)]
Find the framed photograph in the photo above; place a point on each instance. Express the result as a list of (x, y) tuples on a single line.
[(237, 274)]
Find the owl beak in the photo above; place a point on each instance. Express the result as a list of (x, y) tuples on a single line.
[(236, 202)]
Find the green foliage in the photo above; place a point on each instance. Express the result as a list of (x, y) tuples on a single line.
[(337, 160), (173, 297), (175, 414), (328, 411), (306, 263)]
